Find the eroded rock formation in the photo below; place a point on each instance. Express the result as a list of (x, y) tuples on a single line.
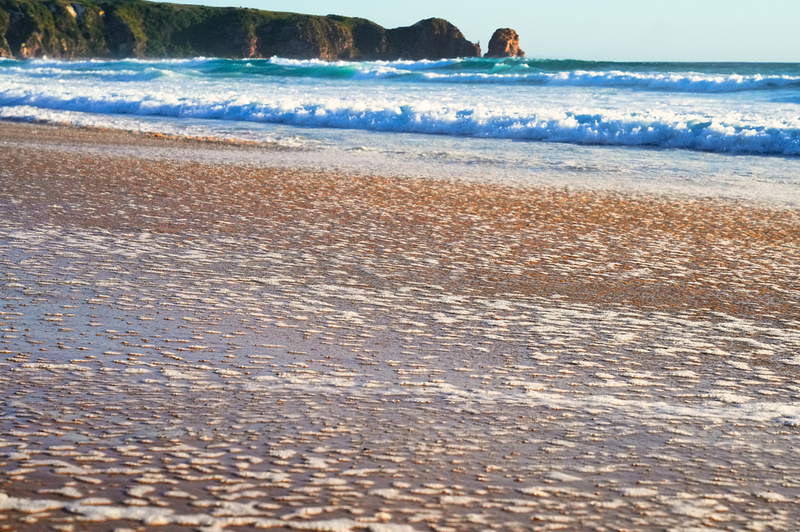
[(433, 38), (504, 43)]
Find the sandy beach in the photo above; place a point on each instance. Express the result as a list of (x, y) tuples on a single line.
[(193, 342)]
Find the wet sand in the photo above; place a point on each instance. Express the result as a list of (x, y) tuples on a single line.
[(191, 342)]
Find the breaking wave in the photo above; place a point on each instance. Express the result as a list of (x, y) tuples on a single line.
[(550, 124), (669, 77), (704, 107)]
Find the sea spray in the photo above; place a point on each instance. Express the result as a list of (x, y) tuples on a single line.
[(611, 107), (499, 114)]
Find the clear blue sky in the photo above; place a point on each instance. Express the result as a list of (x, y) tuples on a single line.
[(639, 30)]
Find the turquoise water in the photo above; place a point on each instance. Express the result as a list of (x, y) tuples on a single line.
[(520, 120)]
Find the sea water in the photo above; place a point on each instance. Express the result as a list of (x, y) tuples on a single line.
[(718, 129), (295, 373)]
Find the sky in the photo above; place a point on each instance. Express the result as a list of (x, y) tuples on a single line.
[(617, 30)]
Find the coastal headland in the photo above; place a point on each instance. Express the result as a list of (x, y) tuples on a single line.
[(64, 29), (192, 342)]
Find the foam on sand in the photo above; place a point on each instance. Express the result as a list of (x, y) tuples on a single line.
[(216, 346)]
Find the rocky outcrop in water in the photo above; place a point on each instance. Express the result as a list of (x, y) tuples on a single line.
[(504, 43), (433, 38), (141, 29)]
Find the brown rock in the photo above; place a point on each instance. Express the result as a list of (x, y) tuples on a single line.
[(305, 37), (5, 49), (124, 35), (433, 38), (504, 43), (145, 29)]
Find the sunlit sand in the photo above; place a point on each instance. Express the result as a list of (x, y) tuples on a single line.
[(189, 345)]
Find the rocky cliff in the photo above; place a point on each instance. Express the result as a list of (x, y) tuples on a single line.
[(504, 43), (138, 28), (434, 38)]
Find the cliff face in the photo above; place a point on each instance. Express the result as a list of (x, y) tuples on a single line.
[(31, 28), (138, 28), (5, 51), (434, 38), (504, 43)]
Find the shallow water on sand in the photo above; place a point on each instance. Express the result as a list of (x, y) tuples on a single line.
[(703, 129), (771, 180), (165, 385), (225, 347)]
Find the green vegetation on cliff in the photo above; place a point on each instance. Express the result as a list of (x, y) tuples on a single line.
[(138, 28), (30, 29)]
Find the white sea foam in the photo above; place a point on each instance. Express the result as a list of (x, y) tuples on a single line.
[(457, 71), (744, 131), (351, 95), (434, 118), (671, 82)]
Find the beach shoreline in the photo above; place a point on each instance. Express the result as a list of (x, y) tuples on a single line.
[(297, 348), (648, 224)]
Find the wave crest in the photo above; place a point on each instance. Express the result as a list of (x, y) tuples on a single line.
[(663, 129), (686, 78)]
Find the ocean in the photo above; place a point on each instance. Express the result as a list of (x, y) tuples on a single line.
[(252, 344), (710, 129)]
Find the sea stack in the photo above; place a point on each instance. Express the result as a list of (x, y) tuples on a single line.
[(504, 43)]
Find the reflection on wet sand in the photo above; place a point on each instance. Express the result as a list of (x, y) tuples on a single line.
[(191, 345)]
